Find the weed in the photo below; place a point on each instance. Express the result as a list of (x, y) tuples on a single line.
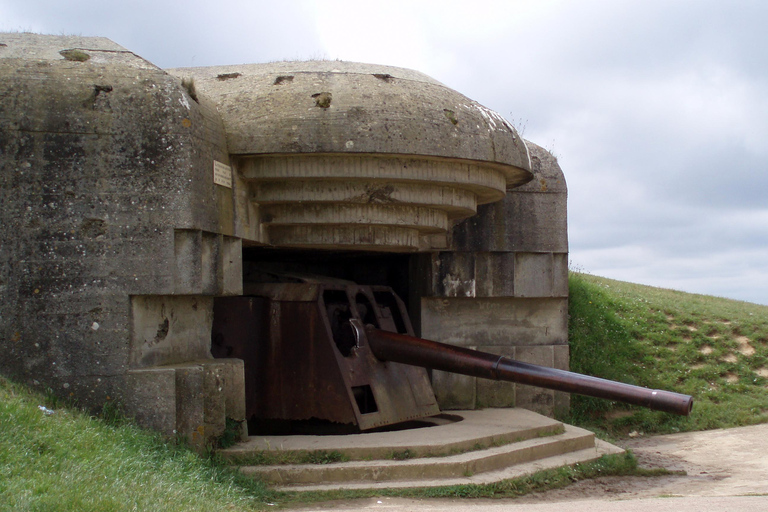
[(519, 125), (283, 457), (451, 115), (231, 435), (404, 455), (113, 414), (324, 457), (75, 55)]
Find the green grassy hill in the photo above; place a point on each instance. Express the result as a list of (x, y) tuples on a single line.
[(714, 349), (711, 348), (56, 458)]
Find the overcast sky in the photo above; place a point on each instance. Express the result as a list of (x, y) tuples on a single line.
[(656, 110)]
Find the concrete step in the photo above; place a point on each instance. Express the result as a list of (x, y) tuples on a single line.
[(515, 471), (457, 432), (456, 467), (462, 447)]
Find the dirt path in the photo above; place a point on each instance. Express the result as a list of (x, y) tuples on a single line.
[(721, 465), (730, 462)]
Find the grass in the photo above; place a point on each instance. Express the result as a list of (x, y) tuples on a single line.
[(711, 348), (67, 461), (714, 349), (280, 457)]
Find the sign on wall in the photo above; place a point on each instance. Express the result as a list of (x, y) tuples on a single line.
[(222, 174)]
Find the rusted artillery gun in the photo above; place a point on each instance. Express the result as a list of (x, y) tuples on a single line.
[(342, 354)]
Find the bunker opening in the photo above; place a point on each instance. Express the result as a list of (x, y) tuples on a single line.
[(325, 355)]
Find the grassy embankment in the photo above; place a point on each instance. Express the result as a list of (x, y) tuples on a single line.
[(714, 349), (711, 348)]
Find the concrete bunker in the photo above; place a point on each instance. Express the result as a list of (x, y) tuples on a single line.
[(135, 199)]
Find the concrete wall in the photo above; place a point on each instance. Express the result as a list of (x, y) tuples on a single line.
[(122, 219), (114, 236), (503, 288)]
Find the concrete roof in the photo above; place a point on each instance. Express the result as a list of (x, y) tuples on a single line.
[(345, 107), (41, 47)]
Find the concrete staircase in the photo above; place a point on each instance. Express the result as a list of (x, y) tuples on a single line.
[(464, 447)]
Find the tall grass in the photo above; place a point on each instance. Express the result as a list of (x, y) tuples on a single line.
[(68, 461), (714, 349)]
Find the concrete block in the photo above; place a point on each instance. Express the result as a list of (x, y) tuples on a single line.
[(495, 321), (494, 274), (561, 357), (213, 390), (562, 362), (535, 222), (232, 266), (191, 400), (534, 398), (215, 407), (560, 274), (234, 390), (534, 275), (211, 272), (170, 329), (190, 404), (454, 391), (494, 393), (151, 398), (188, 270), (454, 274)]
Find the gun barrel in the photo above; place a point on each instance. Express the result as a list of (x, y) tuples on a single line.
[(401, 348)]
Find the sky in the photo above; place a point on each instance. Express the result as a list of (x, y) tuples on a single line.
[(656, 110)]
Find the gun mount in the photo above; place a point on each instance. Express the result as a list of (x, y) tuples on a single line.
[(346, 354)]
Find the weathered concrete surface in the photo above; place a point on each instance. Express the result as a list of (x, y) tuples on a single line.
[(455, 433), (484, 447), (356, 156), (502, 285), (533, 218), (193, 399), (123, 213), (109, 211), (495, 321), (347, 107)]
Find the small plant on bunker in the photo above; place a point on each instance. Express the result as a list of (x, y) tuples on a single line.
[(231, 435), (323, 99), (404, 455), (75, 55), (519, 125), (324, 457)]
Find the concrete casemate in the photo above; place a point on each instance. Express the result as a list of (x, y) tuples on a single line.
[(133, 197)]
